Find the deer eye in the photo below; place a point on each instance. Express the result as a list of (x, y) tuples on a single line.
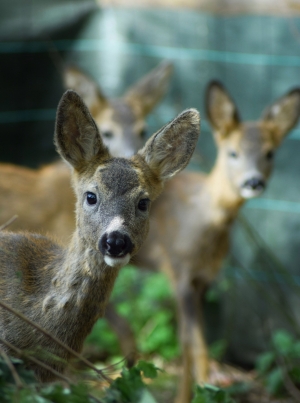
[(143, 204), (270, 155), (232, 154), (91, 198), (108, 134)]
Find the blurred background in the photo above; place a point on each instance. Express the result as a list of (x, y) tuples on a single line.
[(253, 48)]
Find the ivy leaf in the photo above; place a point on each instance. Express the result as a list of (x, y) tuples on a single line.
[(149, 370), (275, 381), (283, 342), (211, 394), (265, 362)]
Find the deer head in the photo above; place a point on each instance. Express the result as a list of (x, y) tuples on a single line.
[(114, 194), (246, 150), (121, 121)]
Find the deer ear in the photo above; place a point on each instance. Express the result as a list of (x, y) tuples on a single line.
[(283, 114), (169, 150), (221, 111), (76, 135), (86, 87), (148, 91)]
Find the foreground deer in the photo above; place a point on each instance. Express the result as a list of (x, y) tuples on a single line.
[(42, 198), (65, 290), (191, 220)]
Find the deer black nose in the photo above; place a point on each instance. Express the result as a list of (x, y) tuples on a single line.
[(115, 244), (255, 184)]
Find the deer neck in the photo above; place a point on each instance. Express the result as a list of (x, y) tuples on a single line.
[(223, 196), (83, 284)]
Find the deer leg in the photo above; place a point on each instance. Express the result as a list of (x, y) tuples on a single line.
[(199, 349), (194, 350), (184, 393), (124, 334)]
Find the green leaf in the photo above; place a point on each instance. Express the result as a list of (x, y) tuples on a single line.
[(283, 342), (274, 381), (127, 388), (296, 349), (264, 362), (294, 374), (149, 370), (103, 337), (27, 395), (211, 394), (218, 349), (212, 295), (147, 397)]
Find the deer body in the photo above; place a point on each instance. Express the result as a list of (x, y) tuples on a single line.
[(209, 232), (42, 198), (71, 301), (191, 220), (65, 289)]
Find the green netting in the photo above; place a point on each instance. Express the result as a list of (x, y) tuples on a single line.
[(257, 58)]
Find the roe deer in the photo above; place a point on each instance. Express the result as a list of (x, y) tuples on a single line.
[(43, 199), (65, 290), (191, 220), (122, 120)]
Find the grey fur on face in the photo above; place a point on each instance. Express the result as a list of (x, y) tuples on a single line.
[(113, 181)]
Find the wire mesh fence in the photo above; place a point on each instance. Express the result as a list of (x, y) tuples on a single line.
[(256, 57)]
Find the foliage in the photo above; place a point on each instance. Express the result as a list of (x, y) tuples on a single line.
[(216, 289), (144, 299), (217, 349), (30, 392), (149, 370), (211, 394), (128, 388), (280, 362), (104, 338)]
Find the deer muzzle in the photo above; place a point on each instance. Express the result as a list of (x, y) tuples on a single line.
[(252, 187), (116, 248)]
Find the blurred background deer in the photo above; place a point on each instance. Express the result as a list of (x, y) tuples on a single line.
[(191, 220), (122, 120)]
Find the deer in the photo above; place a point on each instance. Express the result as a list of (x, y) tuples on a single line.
[(121, 120), (42, 198), (192, 219), (64, 289)]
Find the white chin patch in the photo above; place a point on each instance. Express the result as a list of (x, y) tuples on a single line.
[(117, 261), (248, 193)]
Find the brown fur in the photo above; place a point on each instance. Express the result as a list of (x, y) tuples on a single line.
[(43, 199), (121, 120), (65, 290), (191, 220)]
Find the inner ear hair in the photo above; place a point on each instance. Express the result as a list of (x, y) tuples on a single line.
[(220, 108), (76, 135)]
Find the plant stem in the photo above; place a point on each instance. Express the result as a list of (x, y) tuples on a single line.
[(56, 340), (13, 371)]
